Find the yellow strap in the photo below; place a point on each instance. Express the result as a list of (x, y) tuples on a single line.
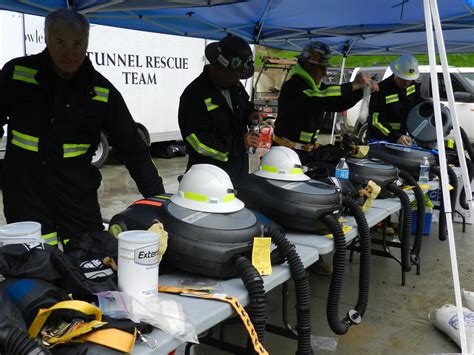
[(234, 302), (112, 338), (44, 313)]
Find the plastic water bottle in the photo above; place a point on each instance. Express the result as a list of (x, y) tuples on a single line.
[(424, 171), (342, 169)]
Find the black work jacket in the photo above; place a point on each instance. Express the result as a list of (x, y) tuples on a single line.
[(388, 110), (54, 128), (302, 104), (214, 132)]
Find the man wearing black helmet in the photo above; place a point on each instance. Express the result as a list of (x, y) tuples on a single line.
[(304, 99), (215, 112)]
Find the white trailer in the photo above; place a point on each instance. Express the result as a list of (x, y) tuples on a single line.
[(150, 70)]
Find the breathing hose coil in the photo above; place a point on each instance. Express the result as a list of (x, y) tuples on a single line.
[(300, 278), (364, 267), (420, 212), (253, 282), (16, 341), (406, 225)]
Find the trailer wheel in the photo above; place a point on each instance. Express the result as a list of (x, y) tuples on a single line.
[(102, 152)]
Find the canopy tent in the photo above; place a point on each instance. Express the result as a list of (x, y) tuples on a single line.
[(358, 27), (368, 27)]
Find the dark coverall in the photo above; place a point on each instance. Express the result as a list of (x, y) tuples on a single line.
[(54, 127), (213, 131), (301, 108), (388, 110)]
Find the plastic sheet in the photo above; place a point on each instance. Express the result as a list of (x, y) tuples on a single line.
[(165, 314), (323, 343)]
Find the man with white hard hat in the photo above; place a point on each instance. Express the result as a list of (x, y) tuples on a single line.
[(389, 107)]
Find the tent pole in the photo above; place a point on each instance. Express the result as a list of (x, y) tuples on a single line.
[(452, 106), (444, 172), (343, 65)]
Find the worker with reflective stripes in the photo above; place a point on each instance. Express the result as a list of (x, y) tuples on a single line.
[(215, 112), (304, 99), (56, 105), (389, 107)]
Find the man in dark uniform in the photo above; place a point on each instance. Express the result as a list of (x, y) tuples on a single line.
[(390, 106), (56, 105), (215, 112), (304, 99), (302, 103)]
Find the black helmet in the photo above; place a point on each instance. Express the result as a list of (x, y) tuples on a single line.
[(315, 52), (233, 54)]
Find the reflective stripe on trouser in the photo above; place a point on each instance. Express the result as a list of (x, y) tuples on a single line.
[(101, 94), (203, 149), (25, 141), (391, 98), (50, 238), (411, 90), (328, 92), (25, 74), (378, 125), (74, 150), (209, 105)]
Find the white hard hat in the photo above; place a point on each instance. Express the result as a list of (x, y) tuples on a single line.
[(281, 163), (207, 188), (405, 67)]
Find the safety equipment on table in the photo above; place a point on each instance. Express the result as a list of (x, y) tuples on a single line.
[(405, 67), (72, 321), (315, 52), (207, 188), (48, 263), (281, 163), (232, 301), (421, 122), (29, 295)]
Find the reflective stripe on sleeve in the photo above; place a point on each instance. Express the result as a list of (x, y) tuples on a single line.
[(330, 91), (306, 136), (203, 149), (25, 74), (411, 89), (209, 105), (391, 98), (74, 150), (25, 141), (101, 94), (378, 125), (50, 238)]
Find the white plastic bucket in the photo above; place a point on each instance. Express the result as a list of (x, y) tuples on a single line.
[(138, 263), (20, 232)]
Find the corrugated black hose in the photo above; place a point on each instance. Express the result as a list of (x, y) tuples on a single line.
[(420, 212), (442, 226), (338, 326), (16, 341), (300, 278), (462, 196), (406, 227), (364, 240), (253, 282)]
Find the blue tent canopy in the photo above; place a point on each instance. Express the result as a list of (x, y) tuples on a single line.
[(364, 26)]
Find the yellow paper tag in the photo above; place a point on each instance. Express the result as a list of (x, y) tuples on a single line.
[(424, 186), (345, 230), (450, 187), (409, 187), (342, 220), (261, 255)]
